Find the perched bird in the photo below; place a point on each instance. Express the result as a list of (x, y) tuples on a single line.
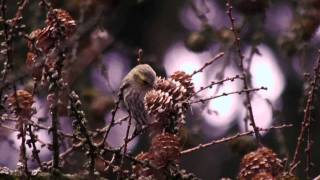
[(134, 86)]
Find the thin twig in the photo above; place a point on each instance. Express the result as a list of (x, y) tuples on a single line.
[(55, 135), (125, 146), (110, 163), (244, 73), (35, 151), (8, 41), (140, 56), (305, 124), (225, 139), (79, 122), (199, 13), (214, 59), (65, 153), (308, 148), (229, 93), (253, 51), (218, 82), (201, 146), (113, 112), (23, 151), (47, 4), (18, 15)]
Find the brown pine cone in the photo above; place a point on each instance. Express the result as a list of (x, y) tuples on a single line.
[(186, 80), (45, 43), (263, 176), (158, 103), (39, 39), (261, 160), (42, 40), (140, 171), (33, 35), (287, 176), (31, 60), (21, 103), (61, 18), (174, 88), (179, 93), (169, 107), (165, 149), (45, 38)]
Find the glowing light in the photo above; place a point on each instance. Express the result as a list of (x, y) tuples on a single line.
[(11, 156), (116, 68), (178, 58), (117, 134), (226, 107), (190, 21), (44, 153), (266, 72), (41, 109), (262, 114), (317, 34)]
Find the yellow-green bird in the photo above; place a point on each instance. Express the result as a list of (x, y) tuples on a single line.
[(134, 86)]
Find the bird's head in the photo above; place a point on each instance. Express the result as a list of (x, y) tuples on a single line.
[(143, 75)]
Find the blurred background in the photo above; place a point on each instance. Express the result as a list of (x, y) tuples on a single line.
[(279, 38)]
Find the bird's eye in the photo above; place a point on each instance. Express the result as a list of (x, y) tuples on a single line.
[(145, 82)]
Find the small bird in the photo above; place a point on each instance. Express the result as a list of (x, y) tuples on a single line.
[(134, 86)]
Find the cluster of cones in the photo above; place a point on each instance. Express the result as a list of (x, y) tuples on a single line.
[(60, 26), (165, 147), (167, 104)]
